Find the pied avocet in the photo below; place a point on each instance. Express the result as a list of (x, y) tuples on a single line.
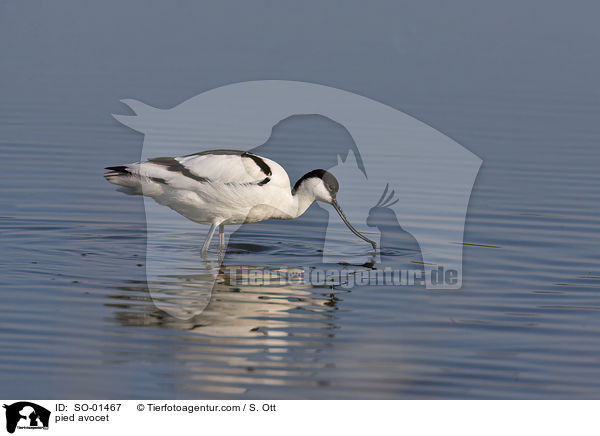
[(220, 187)]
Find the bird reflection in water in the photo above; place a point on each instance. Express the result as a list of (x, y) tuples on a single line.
[(237, 307)]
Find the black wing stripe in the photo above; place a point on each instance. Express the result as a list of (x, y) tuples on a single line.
[(264, 181), (266, 169), (159, 180), (217, 153), (177, 167), (174, 165)]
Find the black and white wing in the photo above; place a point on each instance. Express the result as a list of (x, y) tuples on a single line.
[(223, 167)]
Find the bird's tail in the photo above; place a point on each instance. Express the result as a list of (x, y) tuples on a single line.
[(122, 175)]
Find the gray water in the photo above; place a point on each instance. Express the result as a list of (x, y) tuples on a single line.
[(515, 84)]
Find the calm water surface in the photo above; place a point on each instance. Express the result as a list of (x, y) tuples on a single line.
[(77, 320)]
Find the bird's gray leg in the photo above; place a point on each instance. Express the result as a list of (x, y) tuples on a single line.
[(221, 237), (206, 244)]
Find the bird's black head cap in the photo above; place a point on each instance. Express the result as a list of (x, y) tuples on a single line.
[(329, 181)]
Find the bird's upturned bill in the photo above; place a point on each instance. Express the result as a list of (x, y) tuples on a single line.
[(352, 229)]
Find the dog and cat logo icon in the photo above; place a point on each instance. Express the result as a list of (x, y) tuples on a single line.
[(26, 415)]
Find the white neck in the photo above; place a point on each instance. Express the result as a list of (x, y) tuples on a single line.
[(297, 203), (303, 198)]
